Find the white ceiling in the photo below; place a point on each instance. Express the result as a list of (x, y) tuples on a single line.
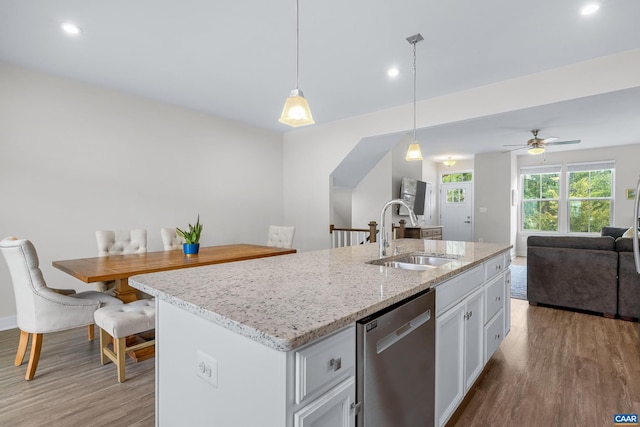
[(236, 59)]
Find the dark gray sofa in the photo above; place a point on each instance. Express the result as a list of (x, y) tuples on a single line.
[(587, 273)]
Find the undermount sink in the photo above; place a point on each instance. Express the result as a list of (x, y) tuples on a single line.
[(413, 261)]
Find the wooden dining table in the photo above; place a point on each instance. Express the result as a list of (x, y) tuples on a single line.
[(120, 267)]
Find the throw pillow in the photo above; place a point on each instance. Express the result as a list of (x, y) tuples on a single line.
[(628, 234)]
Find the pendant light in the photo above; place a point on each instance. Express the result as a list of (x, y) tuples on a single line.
[(296, 110), (449, 162), (414, 152)]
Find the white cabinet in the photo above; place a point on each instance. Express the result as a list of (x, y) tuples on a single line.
[(255, 384), (323, 364), (332, 409), (459, 353), (449, 362), (473, 338), (471, 322), (495, 303), (325, 382)]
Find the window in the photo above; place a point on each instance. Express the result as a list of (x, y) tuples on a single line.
[(590, 196), (540, 199), (575, 199), (455, 195), (457, 177)]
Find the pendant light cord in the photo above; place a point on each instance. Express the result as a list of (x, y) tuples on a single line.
[(414, 91), (298, 43)]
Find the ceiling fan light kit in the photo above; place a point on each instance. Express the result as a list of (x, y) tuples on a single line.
[(414, 152), (535, 150), (296, 111)]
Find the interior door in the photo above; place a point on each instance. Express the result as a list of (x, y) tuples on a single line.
[(456, 207)]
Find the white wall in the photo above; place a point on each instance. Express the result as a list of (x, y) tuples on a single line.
[(77, 158), (372, 193), (492, 191), (626, 176)]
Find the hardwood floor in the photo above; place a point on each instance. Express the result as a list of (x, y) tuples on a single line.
[(555, 368), (71, 388)]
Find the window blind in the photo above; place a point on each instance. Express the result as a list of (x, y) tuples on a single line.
[(594, 166)]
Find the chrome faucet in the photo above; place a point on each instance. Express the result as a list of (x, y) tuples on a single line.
[(384, 241)]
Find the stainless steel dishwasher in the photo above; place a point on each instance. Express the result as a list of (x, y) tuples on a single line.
[(396, 365)]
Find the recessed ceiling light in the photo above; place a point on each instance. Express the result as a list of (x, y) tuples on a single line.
[(393, 72), (70, 28), (590, 8)]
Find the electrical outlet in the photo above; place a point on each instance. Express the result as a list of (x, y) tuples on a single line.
[(207, 368), (480, 240)]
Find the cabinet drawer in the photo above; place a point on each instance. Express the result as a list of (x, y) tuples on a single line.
[(430, 232), (323, 364), (454, 290), (494, 266), (494, 297), (493, 335)]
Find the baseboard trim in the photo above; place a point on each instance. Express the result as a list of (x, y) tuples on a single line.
[(8, 323)]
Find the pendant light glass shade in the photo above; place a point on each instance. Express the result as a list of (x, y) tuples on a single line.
[(296, 110), (449, 162), (535, 150), (414, 152)]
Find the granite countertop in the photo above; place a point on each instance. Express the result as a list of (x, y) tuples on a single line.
[(287, 301)]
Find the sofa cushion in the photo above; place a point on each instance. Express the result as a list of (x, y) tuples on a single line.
[(604, 243), (624, 245), (614, 232)]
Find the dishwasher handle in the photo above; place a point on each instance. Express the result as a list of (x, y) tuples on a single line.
[(404, 330)]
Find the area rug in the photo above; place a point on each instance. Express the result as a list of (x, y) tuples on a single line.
[(518, 281)]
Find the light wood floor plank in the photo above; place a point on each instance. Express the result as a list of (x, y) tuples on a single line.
[(556, 368)]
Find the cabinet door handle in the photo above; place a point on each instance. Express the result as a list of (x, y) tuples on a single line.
[(336, 363)]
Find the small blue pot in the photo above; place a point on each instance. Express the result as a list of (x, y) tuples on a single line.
[(191, 248)]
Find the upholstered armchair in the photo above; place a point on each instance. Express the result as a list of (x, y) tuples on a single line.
[(120, 242), (170, 239), (41, 309), (281, 236)]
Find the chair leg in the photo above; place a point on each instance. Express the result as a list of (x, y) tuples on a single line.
[(104, 341), (22, 348), (90, 332), (120, 345), (34, 356)]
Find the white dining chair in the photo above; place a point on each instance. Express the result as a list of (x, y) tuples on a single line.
[(119, 242), (281, 236), (41, 309), (170, 239)]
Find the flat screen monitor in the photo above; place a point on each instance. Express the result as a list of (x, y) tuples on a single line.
[(413, 191)]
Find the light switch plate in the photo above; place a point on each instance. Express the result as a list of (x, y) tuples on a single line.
[(207, 368)]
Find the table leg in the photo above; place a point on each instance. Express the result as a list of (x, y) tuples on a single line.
[(124, 292)]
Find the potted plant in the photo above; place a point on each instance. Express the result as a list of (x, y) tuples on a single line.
[(191, 238)]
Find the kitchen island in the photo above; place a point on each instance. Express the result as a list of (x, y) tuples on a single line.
[(245, 343)]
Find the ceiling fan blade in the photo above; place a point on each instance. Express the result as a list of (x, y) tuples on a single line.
[(575, 141), (514, 145), (515, 149)]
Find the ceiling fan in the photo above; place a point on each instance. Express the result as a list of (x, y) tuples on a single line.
[(537, 145)]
